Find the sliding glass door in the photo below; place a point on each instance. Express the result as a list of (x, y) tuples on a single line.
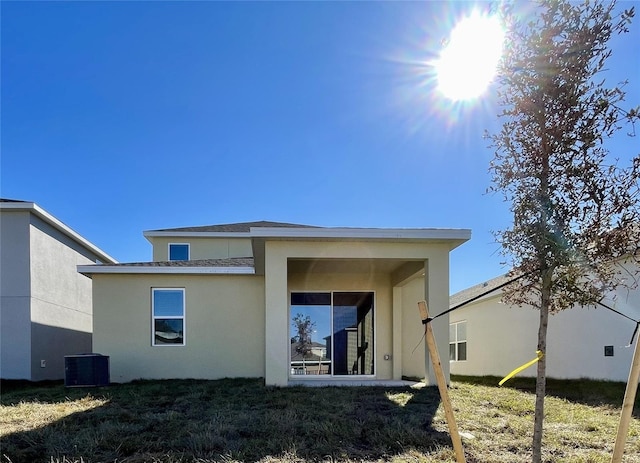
[(332, 333), (353, 333)]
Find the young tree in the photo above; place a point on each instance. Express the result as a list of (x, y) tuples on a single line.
[(575, 209), (303, 326)]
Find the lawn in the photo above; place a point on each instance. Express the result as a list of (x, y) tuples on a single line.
[(241, 420)]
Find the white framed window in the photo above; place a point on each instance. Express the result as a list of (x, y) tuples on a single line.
[(167, 316), (179, 251), (458, 341)]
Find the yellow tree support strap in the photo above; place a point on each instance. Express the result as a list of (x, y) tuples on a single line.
[(539, 355)]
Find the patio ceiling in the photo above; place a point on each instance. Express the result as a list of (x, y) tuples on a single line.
[(398, 269)]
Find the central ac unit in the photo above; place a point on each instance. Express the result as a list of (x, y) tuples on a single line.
[(86, 370)]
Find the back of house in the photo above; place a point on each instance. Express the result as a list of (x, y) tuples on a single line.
[(226, 301)]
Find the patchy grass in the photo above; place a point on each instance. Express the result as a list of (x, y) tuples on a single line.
[(581, 420), (241, 420)]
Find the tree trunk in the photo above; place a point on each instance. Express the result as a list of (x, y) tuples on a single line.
[(541, 380)]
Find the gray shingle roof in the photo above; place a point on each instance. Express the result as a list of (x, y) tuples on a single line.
[(242, 227), (473, 291), (229, 262)]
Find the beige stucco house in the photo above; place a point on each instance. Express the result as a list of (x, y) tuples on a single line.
[(488, 337), (45, 304), (222, 301)]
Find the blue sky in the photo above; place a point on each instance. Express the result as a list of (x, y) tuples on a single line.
[(119, 117)]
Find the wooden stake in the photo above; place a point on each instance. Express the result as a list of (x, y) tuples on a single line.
[(627, 406), (442, 384)]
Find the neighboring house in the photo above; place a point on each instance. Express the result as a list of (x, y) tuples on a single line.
[(488, 337), (219, 301), (45, 304), (316, 361)]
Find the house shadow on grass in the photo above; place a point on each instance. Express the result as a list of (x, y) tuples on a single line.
[(582, 391), (239, 419)]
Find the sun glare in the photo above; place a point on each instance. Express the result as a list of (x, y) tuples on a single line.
[(468, 63)]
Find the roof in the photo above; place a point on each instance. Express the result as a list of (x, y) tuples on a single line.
[(477, 290), (233, 266), (261, 231), (241, 227), (227, 262), (17, 205), (280, 230)]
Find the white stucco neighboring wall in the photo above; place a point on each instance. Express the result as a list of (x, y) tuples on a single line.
[(61, 304), (15, 296), (45, 304), (501, 338)]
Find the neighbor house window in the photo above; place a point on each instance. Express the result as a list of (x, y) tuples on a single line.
[(178, 251), (167, 308), (458, 341)]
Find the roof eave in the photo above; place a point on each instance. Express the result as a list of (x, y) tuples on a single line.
[(193, 234), (454, 236), (89, 270), (403, 234), (60, 226)]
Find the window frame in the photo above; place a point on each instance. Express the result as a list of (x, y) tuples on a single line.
[(456, 342), (188, 245), (332, 375), (183, 317)]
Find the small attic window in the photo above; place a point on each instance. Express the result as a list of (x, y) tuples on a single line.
[(178, 251)]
